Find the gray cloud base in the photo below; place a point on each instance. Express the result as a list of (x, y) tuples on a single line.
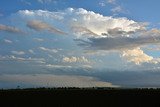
[(118, 43)]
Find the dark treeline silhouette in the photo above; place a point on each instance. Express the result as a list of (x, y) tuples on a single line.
[(74, 97)]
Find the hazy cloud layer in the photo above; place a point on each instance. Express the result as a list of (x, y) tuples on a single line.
[(14, 58), (50, 80), (9, 29)]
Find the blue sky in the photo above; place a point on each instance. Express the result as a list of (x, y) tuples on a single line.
[(90, 42)]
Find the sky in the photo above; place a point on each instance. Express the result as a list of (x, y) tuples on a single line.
[(79, 43)]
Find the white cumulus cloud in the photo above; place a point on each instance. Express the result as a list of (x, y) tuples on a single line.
[(137, 56), (79, 21)]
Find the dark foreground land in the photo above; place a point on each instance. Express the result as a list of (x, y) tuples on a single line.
[(74, 97)]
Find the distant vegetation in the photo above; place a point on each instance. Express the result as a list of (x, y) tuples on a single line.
[(62, 97)]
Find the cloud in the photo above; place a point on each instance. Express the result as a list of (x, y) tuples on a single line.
[(87, 66), (48, 50), (69, 66), (117, 9), (137, 56), (26, 2), (57, 66), (117, 43), (39, 26), (99, 24), (119, 32), (76, 22), (75, 59), (9, 29), (45, 1), (18, 52), (11, 58), (91, 30), (50, 80), (102, 3), (83, 31), (111, 1), (31, 51), (8, 41), (79, 20), (38, 39), (14, 58), (40, 15)]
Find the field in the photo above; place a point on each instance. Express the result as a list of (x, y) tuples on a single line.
[(73, 97)]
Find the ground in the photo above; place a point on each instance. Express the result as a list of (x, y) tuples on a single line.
[(62, 97)]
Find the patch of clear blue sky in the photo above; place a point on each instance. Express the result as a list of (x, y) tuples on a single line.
[(143, 10), (8, 6)]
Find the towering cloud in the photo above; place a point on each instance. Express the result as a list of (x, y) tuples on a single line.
[(79, 21), (91, 30)]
